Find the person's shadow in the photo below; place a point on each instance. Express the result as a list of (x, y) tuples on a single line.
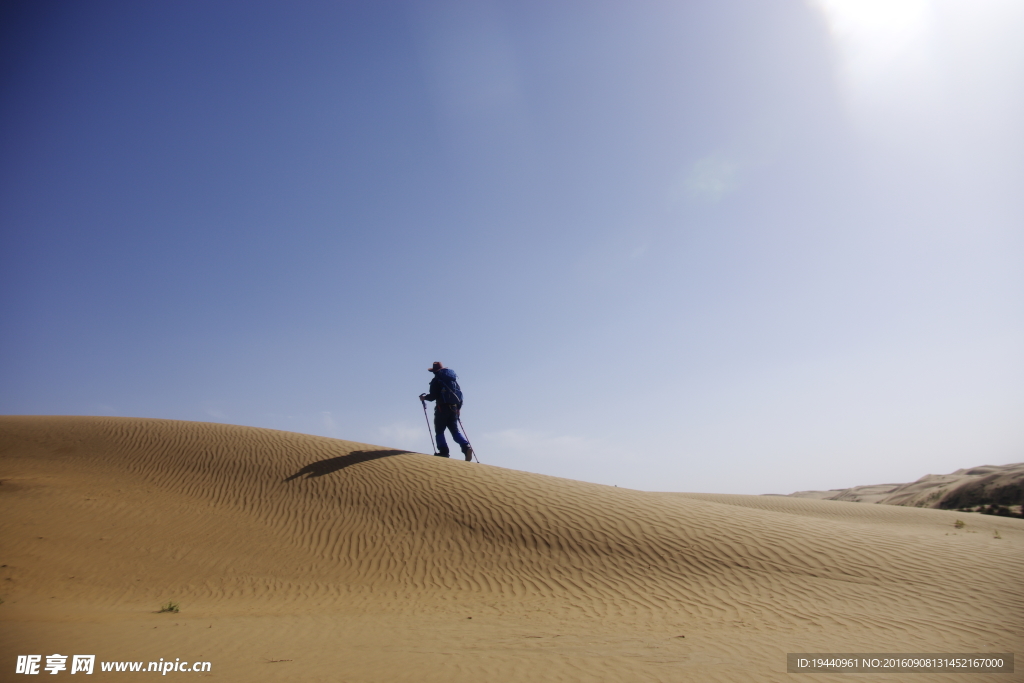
[(322, 467)]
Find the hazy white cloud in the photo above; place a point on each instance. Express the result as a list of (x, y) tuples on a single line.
[(539, 444), (711, 178), (559, 455), (322, 423), (329, 423), (405, 435), (613, 254), (638, 251)]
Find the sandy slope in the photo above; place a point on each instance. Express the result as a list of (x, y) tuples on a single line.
[(361, 563), (985, 485)]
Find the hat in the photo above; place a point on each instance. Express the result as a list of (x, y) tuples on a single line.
[(437, 366)]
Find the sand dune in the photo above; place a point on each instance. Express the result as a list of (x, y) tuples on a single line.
[(296, 557), (971, 487)]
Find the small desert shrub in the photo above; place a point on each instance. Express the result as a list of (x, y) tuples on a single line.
[(959, 524), (995, 533), (169, 607)]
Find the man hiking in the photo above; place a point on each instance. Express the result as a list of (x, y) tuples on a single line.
[(444, 389)]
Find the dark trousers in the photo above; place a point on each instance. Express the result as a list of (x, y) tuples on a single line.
[(447, 417)]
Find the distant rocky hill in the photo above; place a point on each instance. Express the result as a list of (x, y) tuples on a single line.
[(1000, 487)]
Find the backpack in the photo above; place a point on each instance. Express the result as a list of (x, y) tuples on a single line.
[(450, 392)]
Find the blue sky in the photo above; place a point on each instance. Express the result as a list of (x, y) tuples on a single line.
[(725, 246)]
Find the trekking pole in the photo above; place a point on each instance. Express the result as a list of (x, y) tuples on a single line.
[(431, 433), (468, 439)]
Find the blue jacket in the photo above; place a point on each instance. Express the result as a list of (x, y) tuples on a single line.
[(444, 388)]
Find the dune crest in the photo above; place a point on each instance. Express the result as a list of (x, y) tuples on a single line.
[(325, 538)]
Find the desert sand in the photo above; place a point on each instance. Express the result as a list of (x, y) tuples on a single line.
[(304, 558), (968, 487)]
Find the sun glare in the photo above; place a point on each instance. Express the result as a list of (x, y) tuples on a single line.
[(875, 35), (919, 60), (884, 49), (877, 16)]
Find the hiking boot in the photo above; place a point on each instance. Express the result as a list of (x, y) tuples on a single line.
[(468, 452), (442, 454)]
